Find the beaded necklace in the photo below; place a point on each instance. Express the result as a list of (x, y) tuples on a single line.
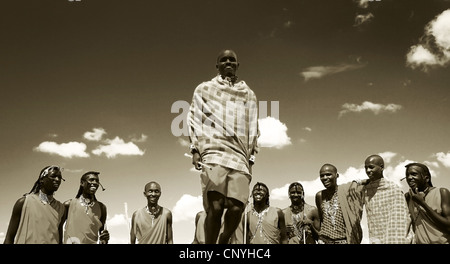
[(331, 207), (86, 203), (297, 220), (45, 198), (259, 224), (153, 214)]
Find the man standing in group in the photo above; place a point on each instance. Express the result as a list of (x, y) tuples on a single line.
[(37, 217), (153, 223), (387, 212), (86, 216), (429, 206), (340, 213), (223, 131), (302, 219), (265, 223)]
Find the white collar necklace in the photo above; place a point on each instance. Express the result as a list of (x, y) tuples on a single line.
[(153, 214), (86, 202), (45, 198)]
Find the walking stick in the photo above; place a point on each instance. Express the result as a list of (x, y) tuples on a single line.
[(304, 236), (245, 223), (126, 216)]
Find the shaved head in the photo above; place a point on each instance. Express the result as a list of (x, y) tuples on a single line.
[(226, 52), (375, 159), (334, 169), (152, 185)]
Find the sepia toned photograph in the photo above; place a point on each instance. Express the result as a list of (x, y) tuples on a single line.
[(225, 122)]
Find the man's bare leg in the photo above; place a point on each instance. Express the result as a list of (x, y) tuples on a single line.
[(213, 220), (232, 219)]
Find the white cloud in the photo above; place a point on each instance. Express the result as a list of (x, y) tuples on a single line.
[(434, 47), (362, 19), (95, 135), (142, 138), (187, 207), (117, 146), (117, 220), (316, 72), (307, 129), (421, 56), (67, 150), (387, 156), (443, 158), (118, 226), (369, 106), (273, 133)]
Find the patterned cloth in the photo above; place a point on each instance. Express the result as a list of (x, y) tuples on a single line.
[(149, 230), (223, 123), (425, 231), (352, 210), (83, 223), (39, 221), (332, 227), (387, 213)]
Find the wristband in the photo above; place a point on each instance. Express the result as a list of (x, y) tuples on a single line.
[(193, 149), (252, 158), (358, 182)]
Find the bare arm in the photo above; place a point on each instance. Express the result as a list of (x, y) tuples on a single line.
[(169, 228), (319, 206), (14, 221), (104, 233), (313, 217), (132, 234), (195, 241), (442, 220), (282, 227)]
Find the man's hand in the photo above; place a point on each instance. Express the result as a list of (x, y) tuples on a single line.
[(417, 196), (104, 237)]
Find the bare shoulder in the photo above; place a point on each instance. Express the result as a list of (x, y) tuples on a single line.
[(445, 193)]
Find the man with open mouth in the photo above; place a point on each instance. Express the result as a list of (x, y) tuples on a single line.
[(86, 216)]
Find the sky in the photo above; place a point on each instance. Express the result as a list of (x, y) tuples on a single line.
[(103, 85)]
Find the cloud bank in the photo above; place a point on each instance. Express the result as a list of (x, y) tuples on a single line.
[(317, 72), (66, 150), (433, 49), (111, 148), (369, 107)]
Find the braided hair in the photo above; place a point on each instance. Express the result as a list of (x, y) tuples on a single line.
[(44, 172), (297, 184), (83, 178), (265, 186), (424, 168)]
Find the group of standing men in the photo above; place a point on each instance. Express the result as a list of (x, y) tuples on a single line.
[(223, 131), (38, 218), (227, 146)]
